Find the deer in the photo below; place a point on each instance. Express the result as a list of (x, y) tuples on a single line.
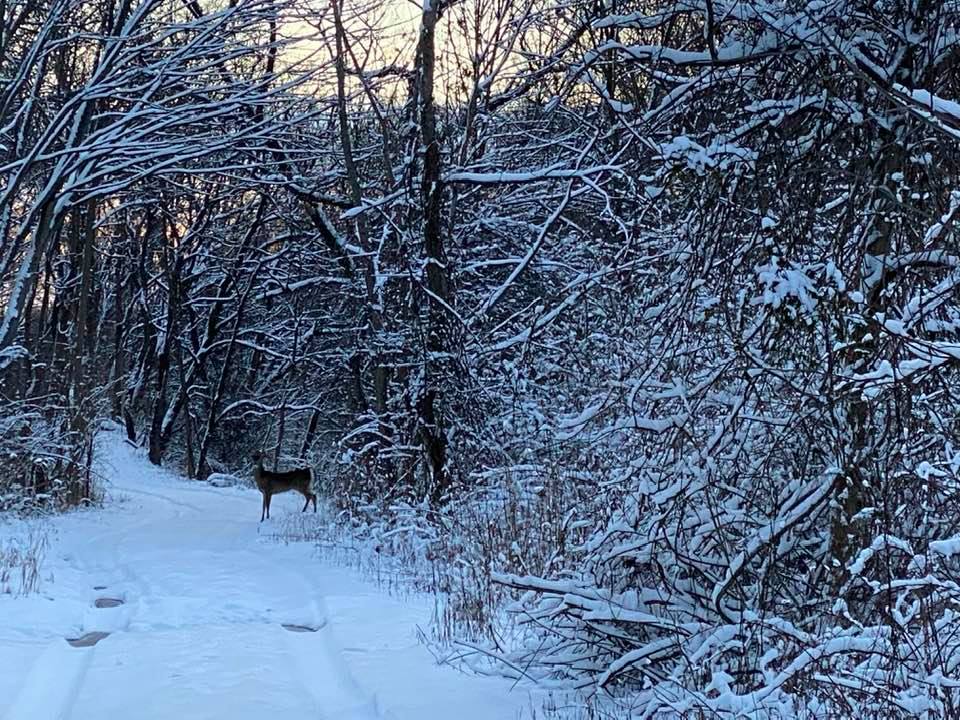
[(270, 483)]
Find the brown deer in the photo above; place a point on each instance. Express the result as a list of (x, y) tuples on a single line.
[(271, 483)]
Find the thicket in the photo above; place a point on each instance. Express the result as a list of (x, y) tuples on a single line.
[(645, 314)]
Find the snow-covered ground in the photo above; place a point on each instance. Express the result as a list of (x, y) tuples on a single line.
[(200, 631)]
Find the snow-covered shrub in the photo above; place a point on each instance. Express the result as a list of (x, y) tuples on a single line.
[(775, 399), (520, 519), (223, 480), (46, 456)]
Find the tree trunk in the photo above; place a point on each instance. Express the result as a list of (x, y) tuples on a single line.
[(429, 407)]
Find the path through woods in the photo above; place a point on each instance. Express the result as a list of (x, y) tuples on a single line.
[(190, 602)]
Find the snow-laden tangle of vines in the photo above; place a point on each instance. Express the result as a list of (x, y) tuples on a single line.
[(786, 453)]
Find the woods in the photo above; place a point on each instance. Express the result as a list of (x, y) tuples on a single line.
[(693, 267)]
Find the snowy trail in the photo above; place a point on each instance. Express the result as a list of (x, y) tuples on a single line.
[(199, 633)]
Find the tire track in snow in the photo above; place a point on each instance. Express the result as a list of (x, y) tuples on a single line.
[(158, 496), (53, 682), (51, 687), (323, 671)]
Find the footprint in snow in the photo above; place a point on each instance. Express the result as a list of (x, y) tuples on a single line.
[(106, 602), (88, 639)]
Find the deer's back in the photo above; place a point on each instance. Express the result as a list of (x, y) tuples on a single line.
[(278, 482)]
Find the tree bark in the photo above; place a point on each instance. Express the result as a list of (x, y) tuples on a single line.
[(429, 407)]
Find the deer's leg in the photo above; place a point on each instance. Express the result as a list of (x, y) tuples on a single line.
[(268, 497), (307, 498), (314, 498), (263, 510)]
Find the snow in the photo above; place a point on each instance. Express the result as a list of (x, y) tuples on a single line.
[(932, 102), (12, 354), (947, 548), (507, 178), (206, 591)]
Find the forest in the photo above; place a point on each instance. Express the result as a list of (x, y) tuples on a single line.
[(631, 326)]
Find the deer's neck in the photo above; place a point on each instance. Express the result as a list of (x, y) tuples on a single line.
[(258, 474)]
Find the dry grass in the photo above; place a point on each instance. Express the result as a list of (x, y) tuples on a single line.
[(21, 559)]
